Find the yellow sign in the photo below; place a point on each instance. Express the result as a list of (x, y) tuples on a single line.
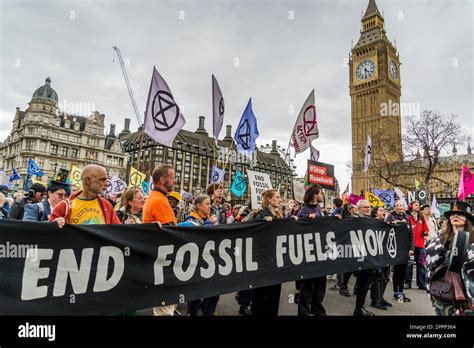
[(373, 200), (75, 177), (136, 178)]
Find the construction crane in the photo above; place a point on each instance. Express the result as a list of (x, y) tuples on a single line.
[(129, 88)]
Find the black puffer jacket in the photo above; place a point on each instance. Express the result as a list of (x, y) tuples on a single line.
[(395, 218)]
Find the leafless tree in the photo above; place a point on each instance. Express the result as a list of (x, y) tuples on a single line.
[(426, 139)]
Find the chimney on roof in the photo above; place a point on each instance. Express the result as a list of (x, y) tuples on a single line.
[(201, 129), (228, 134), (126, 128), (112, 130), (274, 148)]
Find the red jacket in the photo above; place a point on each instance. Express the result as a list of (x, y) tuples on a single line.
[(420, 229), (63, 209)]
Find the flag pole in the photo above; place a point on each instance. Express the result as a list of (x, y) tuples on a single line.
[(225, 167)]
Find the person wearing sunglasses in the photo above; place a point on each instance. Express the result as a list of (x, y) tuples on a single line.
[(56, 192)]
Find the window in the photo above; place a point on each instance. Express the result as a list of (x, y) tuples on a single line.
[(54, 149), (74, 153), (64, 151), (42, 145), (30, 145), (46, 119)]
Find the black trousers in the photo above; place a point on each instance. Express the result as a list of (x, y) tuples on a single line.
[(399, 272), (345, 279), (266, 300), (363, 282), (379, 284), (245, 297), (311, 296), (208, 306)]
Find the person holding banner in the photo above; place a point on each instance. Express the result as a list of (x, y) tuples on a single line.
[(201, 216), (266, 300), (382, 276), (131, 208), (158, 209), (398, 216), (87, 206), (313, 290)]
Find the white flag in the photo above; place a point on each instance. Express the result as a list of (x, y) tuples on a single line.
[(314, 153), (401, 197), (218, 108), (434, 207), (117, 185), (163, 119), (368, 152), (306, 126)]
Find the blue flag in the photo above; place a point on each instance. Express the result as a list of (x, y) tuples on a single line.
[(217, 175), (247, 132), (33, 168), (387, 197), (239, 186), (146, 187), (15, 175)]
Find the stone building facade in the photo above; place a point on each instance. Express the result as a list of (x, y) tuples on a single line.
[(54, 139)]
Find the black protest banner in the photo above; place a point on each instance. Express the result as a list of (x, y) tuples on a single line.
[(107, 269)]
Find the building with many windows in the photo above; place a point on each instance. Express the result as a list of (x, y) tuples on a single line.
[(54, 139), (194, 153)]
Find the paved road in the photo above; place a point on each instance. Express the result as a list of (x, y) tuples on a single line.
[(334, 303)]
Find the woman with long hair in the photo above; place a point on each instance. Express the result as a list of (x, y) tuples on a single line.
[(266, 300), (312, 290), (442, 270), (201, 216), (131, 206)]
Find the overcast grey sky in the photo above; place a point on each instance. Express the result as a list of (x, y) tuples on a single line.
[(280, 59)]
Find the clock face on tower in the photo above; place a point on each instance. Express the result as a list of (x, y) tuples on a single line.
[(365, 69), (392, 67)]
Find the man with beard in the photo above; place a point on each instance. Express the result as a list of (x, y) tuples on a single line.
[(158, 209), (87, 207)]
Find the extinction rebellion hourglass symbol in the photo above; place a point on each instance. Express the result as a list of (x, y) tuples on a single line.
[(165, 111), (392, 244), (244, 135)]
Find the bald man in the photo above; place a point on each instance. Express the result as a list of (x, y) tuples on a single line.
[(87, 207)]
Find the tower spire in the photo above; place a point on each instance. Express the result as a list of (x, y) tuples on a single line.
[(372, 9), (372, 17)]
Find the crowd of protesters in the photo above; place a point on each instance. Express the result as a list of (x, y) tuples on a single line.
[(63, 203)]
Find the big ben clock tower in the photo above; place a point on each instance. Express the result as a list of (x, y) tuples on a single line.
[(374, 83)]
